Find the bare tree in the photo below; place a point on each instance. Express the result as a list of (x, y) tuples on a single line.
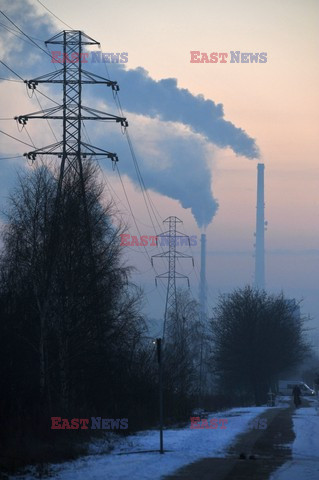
[(182, 351), (70, 318)]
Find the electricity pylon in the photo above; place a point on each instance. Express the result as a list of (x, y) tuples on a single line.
[(71, 149), (72, 76), (172, 255)]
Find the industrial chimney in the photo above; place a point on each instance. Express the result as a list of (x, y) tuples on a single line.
[(260, 230), (202, 284)]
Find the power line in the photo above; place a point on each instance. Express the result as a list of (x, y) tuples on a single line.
[(54, 135), (142, 186), (44, 95), (141, 182), (130, 208), (11, 158), (132, 214), (136, 166), (109, 185), (119, 200), (144, 190), (26, 130), (11, 30), (38, 91), (4, 133), (140, 178), (22, 80), (15, 73), (25, 34), (15, 138), (9, 80), (55, 15)]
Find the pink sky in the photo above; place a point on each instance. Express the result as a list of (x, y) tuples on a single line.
[(276, 103)]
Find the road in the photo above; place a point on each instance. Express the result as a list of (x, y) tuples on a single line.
[(254, 455)]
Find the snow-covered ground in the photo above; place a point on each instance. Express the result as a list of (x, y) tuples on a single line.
[(183, 445), (305, 448)]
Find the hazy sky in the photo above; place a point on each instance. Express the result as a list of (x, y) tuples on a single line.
[(275, 103)]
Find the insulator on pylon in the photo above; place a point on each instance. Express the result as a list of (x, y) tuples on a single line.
[(30, 155), (32, 84), (21, 120)]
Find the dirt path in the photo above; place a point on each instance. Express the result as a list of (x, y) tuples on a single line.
[(269, 447)]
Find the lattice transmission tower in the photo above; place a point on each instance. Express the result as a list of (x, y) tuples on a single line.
[(72, 76), (171, 308), (72, 149)]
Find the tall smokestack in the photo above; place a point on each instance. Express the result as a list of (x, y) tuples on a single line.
[(202, 284), (260, 230)]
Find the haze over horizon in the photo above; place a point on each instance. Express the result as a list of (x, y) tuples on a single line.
[(198, 130)]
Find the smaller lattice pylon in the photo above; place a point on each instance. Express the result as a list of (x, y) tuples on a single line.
[(172, 255)]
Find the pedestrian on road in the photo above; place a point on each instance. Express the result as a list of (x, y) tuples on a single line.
[(296, 393)]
